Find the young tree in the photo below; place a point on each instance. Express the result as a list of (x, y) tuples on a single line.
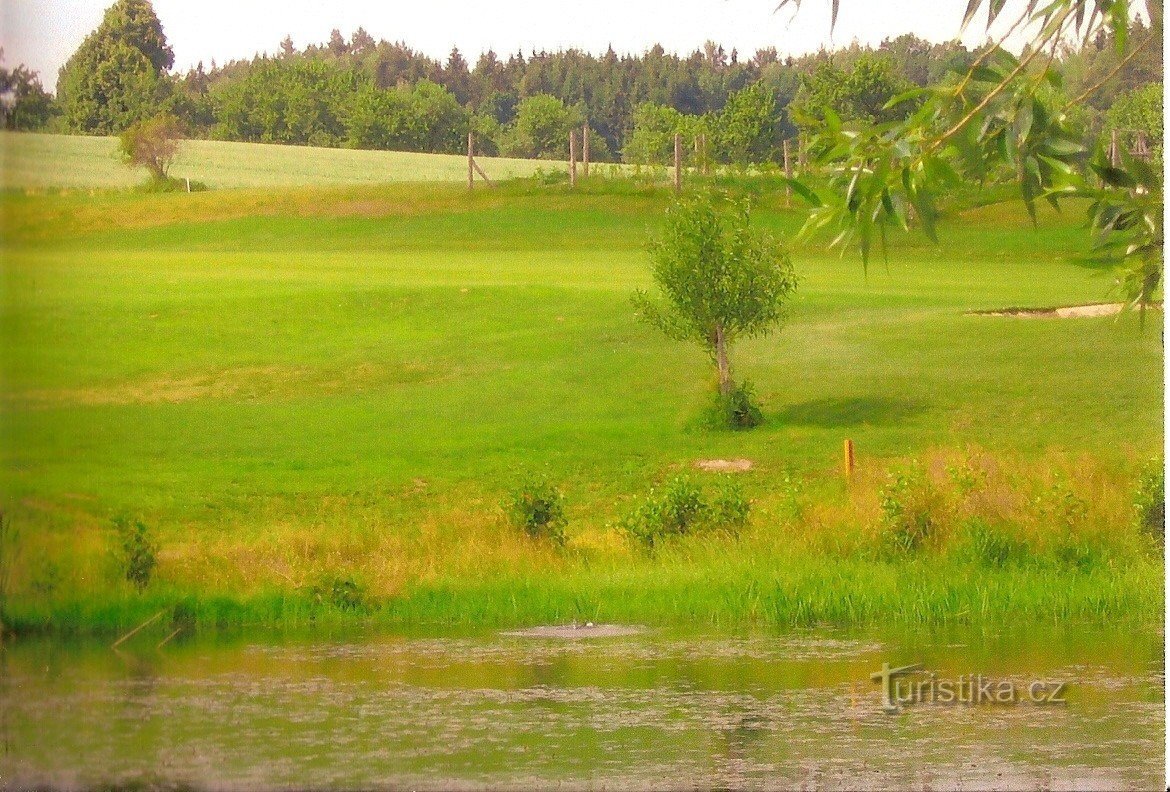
[(153, 145), (722, 280)]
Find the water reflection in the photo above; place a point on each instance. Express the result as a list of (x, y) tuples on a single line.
[(651, 710)]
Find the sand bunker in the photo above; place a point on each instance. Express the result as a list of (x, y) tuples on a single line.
[(725, 465), (574, 631), (1063, 312)]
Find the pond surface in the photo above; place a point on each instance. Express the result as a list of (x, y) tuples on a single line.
[(649, 710)]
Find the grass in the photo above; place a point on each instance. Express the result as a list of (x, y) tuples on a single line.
[(342, 382), (38, 161)]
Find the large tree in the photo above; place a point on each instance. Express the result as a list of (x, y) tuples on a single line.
[(117, 77)]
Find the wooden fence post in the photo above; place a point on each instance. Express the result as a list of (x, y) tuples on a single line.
[(1114, 150), (470, 161), (677, 162), (573, 158), (585, 150), (850, 460)]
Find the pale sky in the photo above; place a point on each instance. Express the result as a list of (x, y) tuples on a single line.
[(44, 33)]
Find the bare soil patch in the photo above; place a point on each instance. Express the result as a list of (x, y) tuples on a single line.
[(1061, 312), (576, 631), (725, 465)]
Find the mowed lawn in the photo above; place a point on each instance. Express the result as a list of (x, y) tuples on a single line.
[(38, 161), (246, 368)]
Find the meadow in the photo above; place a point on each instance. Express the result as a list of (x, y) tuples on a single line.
[(330, 388)]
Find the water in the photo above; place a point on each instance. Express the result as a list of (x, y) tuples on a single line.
[(651, 710)]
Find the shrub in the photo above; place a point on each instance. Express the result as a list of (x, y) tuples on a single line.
[(681, 508), (137, 551), (341, 592), (730, 508), (538, 508), (737, 409), (910, 507), (1151, 501), (153, 145)]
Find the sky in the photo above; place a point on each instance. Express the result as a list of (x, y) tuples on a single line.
[(43, 33)]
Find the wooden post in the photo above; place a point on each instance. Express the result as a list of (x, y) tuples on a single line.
[(677, 162), (585, 150), (706, 157), (850, 460), (470, 161), (573, 158), (1114, 150), (1141, 146)]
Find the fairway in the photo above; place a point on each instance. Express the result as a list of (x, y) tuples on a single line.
[(346, 381), (38, 161)]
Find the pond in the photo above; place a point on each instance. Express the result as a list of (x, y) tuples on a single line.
[(645, 710)]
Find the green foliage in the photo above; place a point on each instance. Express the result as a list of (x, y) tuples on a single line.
[(736, 409), (422, 117), (152, 144), (721, 278), (343, 592), (541, 129), (910, 506), (117, 77), (992, 544), (1150, 501), (33, 105), (681, 508), (136, 550), (538, 508), (747, 129), (859, 93), (1139, 110)]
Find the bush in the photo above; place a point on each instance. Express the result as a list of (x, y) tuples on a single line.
[(681, 508), (1151, 501), (737, 410), (341, 592), (153, 145), (538, 508), (910, 507), (172, 185), (137, 551)]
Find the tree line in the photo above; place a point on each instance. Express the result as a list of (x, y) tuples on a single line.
[(365, 93)]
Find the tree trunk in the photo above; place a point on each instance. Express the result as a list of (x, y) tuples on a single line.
[(723, 362)]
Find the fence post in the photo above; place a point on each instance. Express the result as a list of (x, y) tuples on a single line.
[(572, 158), (850, 460), (677, 162), (1114, 150), (585, 149), (470, 161)]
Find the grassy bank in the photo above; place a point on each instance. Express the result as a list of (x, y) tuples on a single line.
[(309, 386)]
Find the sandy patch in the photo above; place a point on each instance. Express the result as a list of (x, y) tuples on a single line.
[(1062, 312), (725, 465)]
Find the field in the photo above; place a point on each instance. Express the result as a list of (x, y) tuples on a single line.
[(36, 161), (329, 384)]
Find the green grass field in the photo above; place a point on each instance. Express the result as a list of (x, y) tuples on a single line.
[(36, 161), (324, 383)]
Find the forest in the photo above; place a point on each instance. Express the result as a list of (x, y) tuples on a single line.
[(365, 93)]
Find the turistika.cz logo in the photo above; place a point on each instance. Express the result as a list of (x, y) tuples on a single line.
[(910, 685)]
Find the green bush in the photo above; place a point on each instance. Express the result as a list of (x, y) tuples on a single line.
[(341, 592), (538, 508), (136, 550), (682, 508), (1151, 501), (736, 410), (910, 507)]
